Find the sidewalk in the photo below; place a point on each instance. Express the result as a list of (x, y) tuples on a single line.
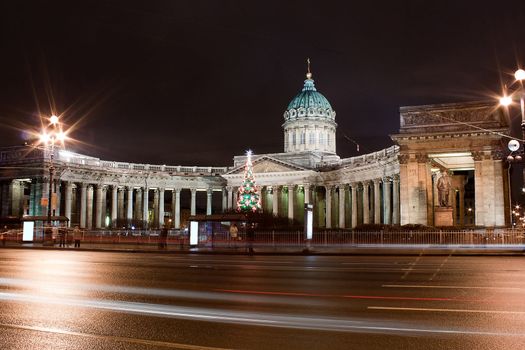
[(518, 250)]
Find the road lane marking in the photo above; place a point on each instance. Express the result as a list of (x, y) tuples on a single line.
[(411, 266), (111, 337), (449, 287), (446, 310), (439, 268)]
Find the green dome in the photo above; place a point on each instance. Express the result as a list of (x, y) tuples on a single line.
[(309, 97), (309, 104)]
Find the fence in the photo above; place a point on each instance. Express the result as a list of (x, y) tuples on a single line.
[(221, 237)]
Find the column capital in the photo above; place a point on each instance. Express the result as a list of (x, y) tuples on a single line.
[(342, 187), (395, 178), (209, 191), (387, 179), (229, 188), (376, 181), (366, 183), (193, 190)]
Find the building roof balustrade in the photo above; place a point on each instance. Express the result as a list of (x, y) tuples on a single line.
[(25, 154)]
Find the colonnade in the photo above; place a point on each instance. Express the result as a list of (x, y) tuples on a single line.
[(95, 206), (110, 206), (335, 206)]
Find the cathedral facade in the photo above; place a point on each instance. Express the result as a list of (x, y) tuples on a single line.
[(392, 186)]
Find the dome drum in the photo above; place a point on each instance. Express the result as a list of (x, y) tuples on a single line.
[(309, 121)]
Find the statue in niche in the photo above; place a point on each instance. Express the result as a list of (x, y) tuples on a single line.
[(443, 187)]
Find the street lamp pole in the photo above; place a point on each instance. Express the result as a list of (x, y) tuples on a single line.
[(50, 194), (506, 101), (48, 138)]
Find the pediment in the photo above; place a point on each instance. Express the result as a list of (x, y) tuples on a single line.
[(269, 165)]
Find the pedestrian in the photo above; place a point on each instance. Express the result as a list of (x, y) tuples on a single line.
[(61, 238), (163, 239), (77, 236), (250, 235)]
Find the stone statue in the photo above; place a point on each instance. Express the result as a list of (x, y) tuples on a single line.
[(443, 187)]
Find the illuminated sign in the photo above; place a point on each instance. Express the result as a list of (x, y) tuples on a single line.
[(28, 231), (194, 233)]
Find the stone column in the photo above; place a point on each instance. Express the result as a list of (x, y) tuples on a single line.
[(306, 193), (161, 207), (176, 207), (224, 200), (342, 200), (209, 198), (193, 209), (395, 201), (155, 208), (235, 196), (67, 204), (138, 204), (489, 190), (83, 205), (104, 206), (145, 207), (98, 207), (89, 208), (275, 200), (366, 203), (114, 215), (387, 208), (328, 215), (291, 194), (230, 197), (354, 205), (129, 216), (121, 214), (377, 202)]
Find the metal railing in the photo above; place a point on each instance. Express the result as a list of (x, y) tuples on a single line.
[(320, 238), (269, 238)]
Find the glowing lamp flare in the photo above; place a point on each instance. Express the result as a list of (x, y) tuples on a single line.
[(519, 74), (53, 119), (505, 101)]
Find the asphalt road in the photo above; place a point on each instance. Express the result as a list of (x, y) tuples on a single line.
[(99, 300)]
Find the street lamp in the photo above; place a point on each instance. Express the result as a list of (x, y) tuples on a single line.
[(506, 101), (50, 136)]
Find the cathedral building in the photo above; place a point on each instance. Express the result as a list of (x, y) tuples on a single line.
[(392, 186)]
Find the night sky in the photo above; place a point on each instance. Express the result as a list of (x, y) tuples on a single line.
[(197, 82)]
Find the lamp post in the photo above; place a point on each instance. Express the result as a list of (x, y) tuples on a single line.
[(50, 136), (506, 100)]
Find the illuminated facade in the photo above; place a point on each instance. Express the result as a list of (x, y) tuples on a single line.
[(396, 185)]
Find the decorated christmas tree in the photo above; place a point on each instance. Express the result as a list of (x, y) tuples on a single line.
[(248, 199)]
